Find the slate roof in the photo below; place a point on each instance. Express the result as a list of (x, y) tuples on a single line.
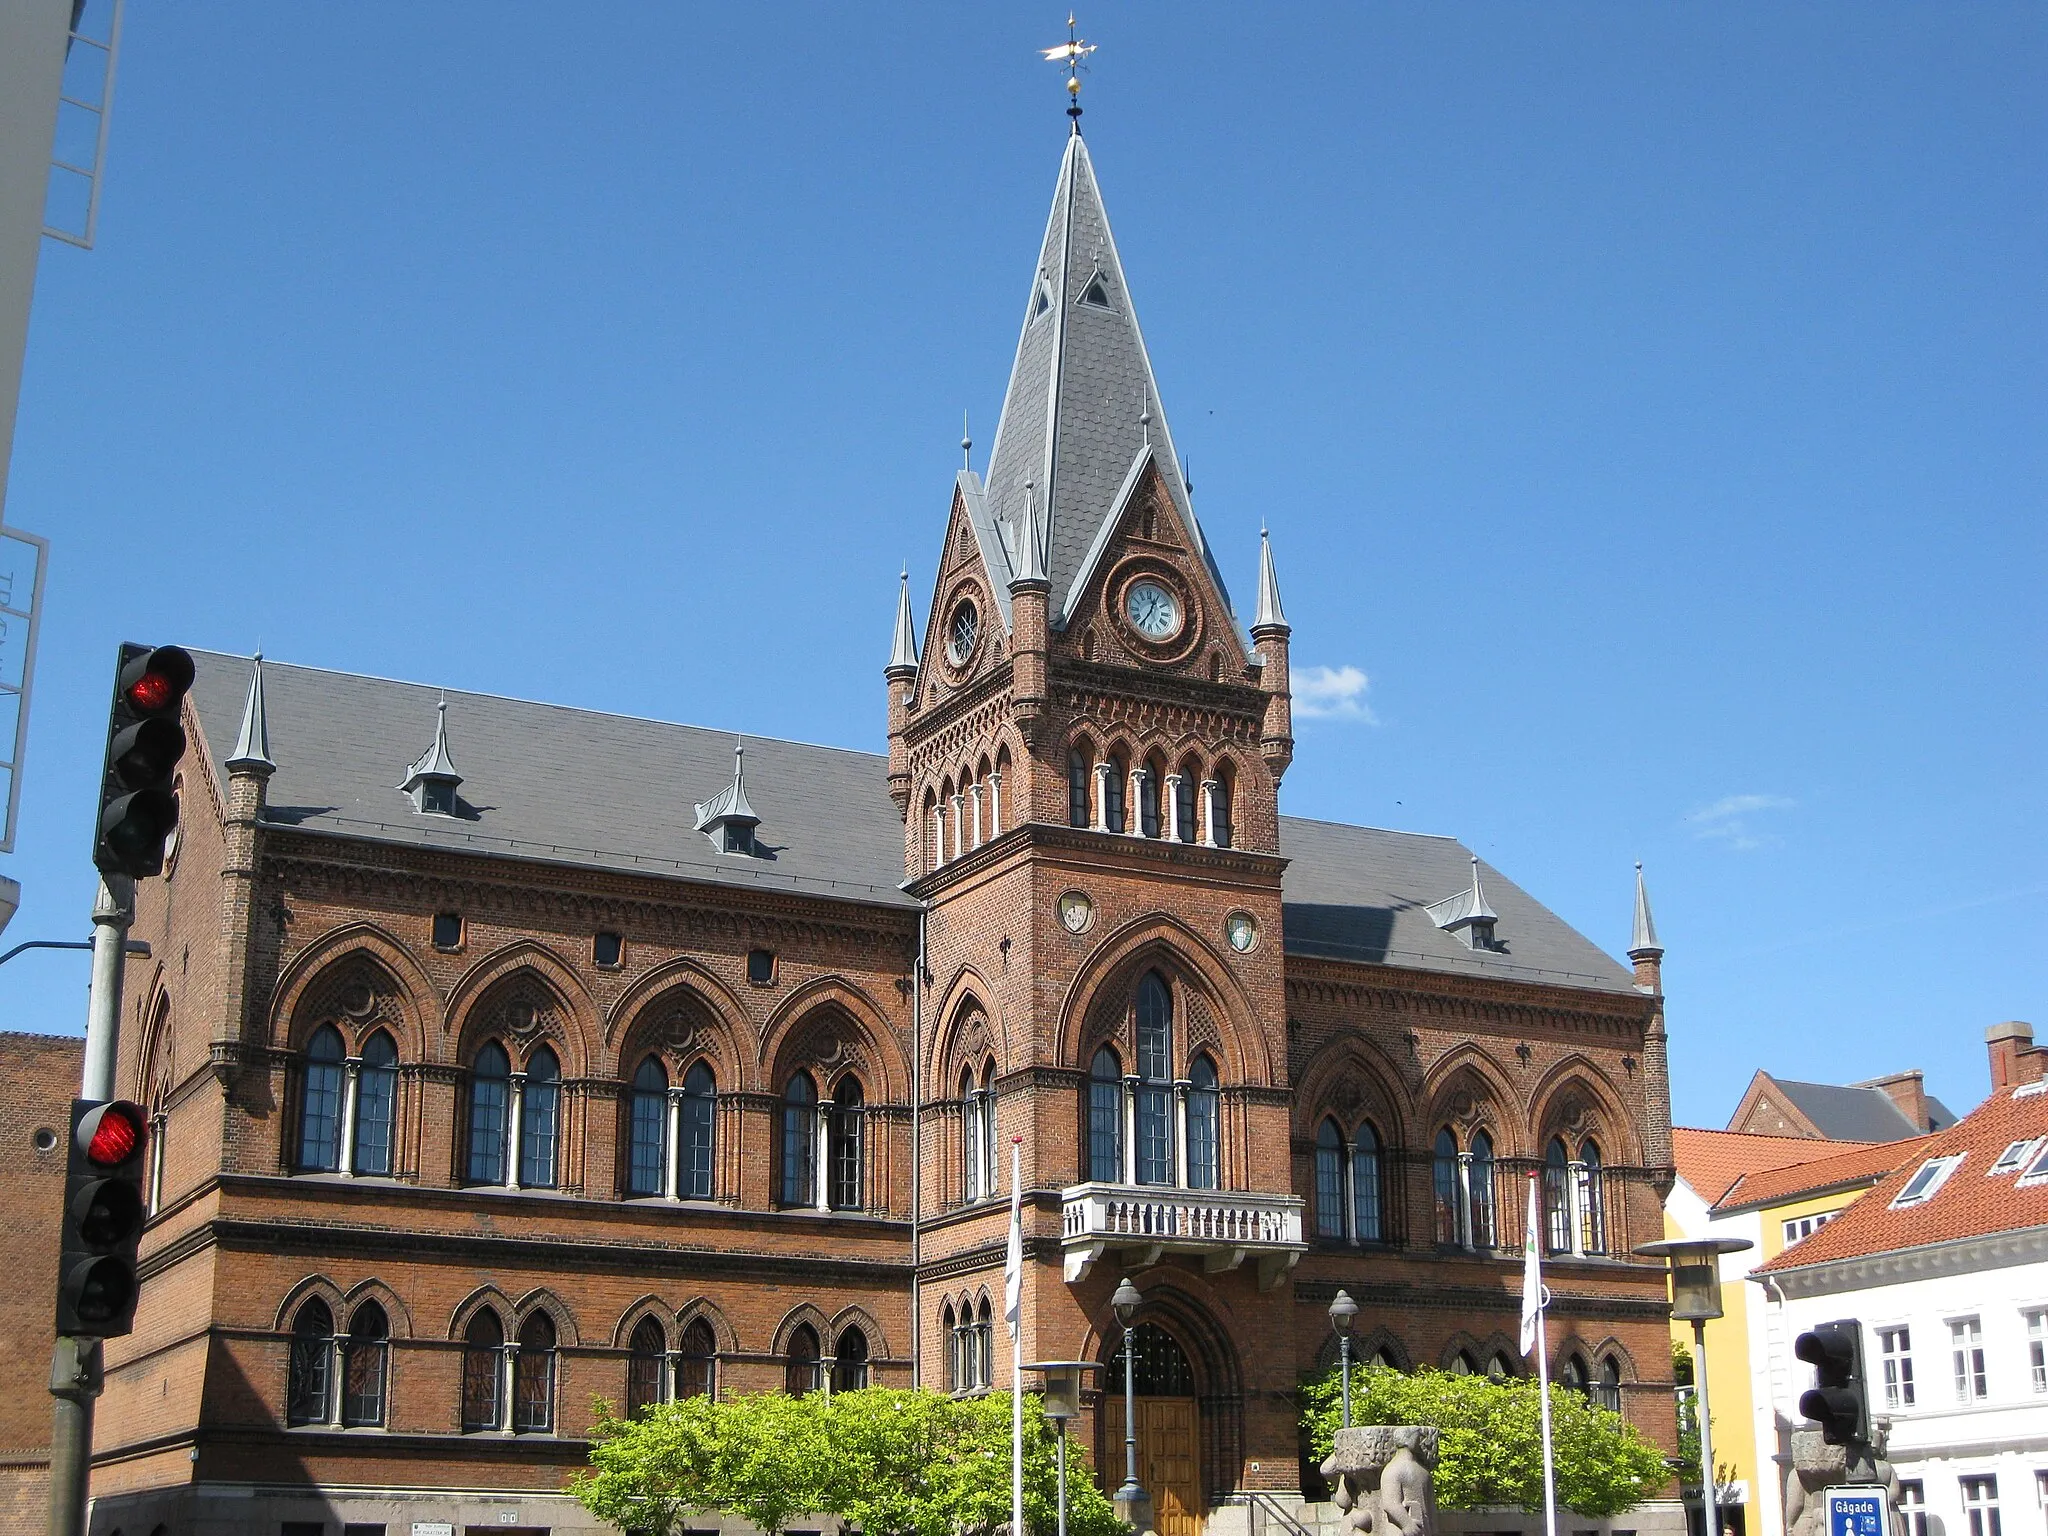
[(1711, 1161), (1851, 1113), (603, 791), (1971, 1202), (1070, 436), (1839, 1170)]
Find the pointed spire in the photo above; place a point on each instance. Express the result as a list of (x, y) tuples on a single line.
[(1030, 545), (1644, 945), (252, 746), (966, 443), (1468, 910), (903, 655), (727, 817), (1269, 614), (1054, 434), (1480, 910)]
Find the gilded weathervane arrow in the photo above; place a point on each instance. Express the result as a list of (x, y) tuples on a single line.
[(1071, 53)]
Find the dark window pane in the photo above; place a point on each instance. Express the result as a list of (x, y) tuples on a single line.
[(1148, 804), (320, 1113), (648, 1132), (376, 1105), (490, 1090), (1204, 1116), (800, 1366), (850, 1362), (799, 1141), (306, 1376), (760, 966), (1365, 1184), (644, 1361), (1329, 1181), (1158, 1367), (539, 1113), (607, 948), (1481, 1176), (700, 1110), (1077, 789), (1184, 805), (1449, 1190), (447, 930), (482, 1361), (1113, 796), (1106, 1119), (845, 1127), (695, 1365), (533, 1376), (364, 1355)]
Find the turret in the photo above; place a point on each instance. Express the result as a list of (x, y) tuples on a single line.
[(249, 769), (1270, 633), (1030, 595), (901, 677), (1647, 954)]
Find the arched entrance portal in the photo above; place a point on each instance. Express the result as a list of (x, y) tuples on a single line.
[(1169, 1419)]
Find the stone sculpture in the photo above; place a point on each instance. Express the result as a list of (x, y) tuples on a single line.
[(1383, 1480), (1818, 1466)]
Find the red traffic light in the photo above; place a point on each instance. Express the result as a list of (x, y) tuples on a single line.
[(155, 681), (111, 1134)]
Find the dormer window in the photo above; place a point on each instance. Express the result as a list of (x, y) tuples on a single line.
[(1480, 932), (432, 781), (1096, 293), (1926, 1180), (1467, 915), (726, 818), (437, 798)]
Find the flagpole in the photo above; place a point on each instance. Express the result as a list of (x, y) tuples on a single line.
[(1535, 1302), (1013, 1287)]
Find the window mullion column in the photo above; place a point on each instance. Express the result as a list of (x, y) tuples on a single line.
[(1464, 1199), (1350, 1187), (1130, 1169), (672, 1152), (821, 1159), (508, 1378), (337, 1363), (995, 803), (351, 1086), (1103, 772), (1211, 788), (1180, 1120), (515, 1129)]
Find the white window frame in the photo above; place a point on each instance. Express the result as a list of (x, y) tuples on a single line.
[(1977, 1505), (1912, 1507), (1801, 1227), (2015, 1156), (2037, 1346), (1966, 1357), (1897, 1363), (1927, 1181), (2036, 1171)]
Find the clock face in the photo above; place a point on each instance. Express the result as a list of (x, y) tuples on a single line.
[(961, 633), (1152, 610)]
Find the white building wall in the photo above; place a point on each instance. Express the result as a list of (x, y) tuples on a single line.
[(1942, 1437)]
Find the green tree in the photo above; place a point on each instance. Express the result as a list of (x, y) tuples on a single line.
[(895, 1463), (1491, 1443)]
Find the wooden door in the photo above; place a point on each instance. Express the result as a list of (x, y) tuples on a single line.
[(1169, 1459)]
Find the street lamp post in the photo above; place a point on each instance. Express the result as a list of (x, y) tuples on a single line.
[(1062, 1402), (1131, 1500), (1696, 1297), (1343, 1313)]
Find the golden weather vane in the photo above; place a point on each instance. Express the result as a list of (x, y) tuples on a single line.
[(1071, 53)]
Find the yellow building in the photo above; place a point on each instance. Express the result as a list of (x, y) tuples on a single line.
[(1771, 1191)]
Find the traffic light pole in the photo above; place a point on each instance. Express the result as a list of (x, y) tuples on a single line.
[(75, 1369)]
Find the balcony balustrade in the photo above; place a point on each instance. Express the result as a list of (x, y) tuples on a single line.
[(1143, 1222)]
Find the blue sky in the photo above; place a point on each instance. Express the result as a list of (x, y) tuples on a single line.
[(1647, 404)]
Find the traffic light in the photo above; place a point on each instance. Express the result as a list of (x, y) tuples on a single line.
[(103, 1216), (144, 744), (1838, 1402)]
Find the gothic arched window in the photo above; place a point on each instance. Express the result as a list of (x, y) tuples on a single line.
[(1607, 1390), (984, 1346), (800, 1364), (989, 1160), (1329, 1180), (540, 1120), (1205, 1106), (800, 1141), (490, 1097), (1151, 772), (1079, 768), (365, 1353), (306, 1376), (695, 1166), (1226, 791), (647, 1112), (696, 1361), (1368, 1224), (533, 1376), (949, 1328), (850, 1361), (376, 1104), (1574, 1376), (970, 1136), (1448, 1185), (1480, 1181), (1185, 825), (1155, 1080), (645, 1354), (320, 1105), (1106, 1118), (1591, 1198), (845, 1143), (1113, 793), (483, 1361), (1557, 1215)]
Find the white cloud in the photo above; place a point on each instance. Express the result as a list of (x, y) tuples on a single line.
[(1732, 820), (1331, 693)]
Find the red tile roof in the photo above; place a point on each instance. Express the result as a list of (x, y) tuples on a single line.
[(1968, 1203), (1859, 1165), (1710, 1161)]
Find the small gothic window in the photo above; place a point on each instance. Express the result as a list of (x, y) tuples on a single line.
[(1106, 1118), (1042, 301), (850, 1362), (1096, 294), (1155, 1085), (736, 837), (1329, 1180), (648, 1144), (844, 1126), (540, 1115), (800, 1365), (607, 949), (490, 1095), (644, 1358), (447, 930), (800, 1141), (320, 1103), (533, 1376), (437, 797), (376, 1104), (1078, 770), (761, 966), (306, 1379), (1113, 795), (483, 1349), (364, 1352), (1482, 1190), (700, 1114), (1365, 1183), (1205, 1102), (949, 1329), (696, 1362)]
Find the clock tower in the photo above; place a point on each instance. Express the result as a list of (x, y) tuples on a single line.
[(1086, 755)]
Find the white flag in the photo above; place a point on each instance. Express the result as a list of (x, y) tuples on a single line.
[(1013, 1258), (1532, 1271)]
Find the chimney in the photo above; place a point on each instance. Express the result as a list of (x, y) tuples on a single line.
[(1908, 1090), (2015, 1059)]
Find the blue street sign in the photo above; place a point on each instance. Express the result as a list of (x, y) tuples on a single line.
[(1858, 1511)]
